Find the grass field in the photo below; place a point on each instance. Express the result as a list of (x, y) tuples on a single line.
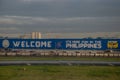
[(52, 72), (62, 58), (46, 72)]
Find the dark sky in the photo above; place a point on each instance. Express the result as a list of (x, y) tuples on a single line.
[(24, 16)]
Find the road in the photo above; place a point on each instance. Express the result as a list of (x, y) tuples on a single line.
[(97, 63)]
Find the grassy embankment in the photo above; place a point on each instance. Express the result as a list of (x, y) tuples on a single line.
[(45, 72)]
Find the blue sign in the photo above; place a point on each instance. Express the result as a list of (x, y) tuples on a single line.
[(62, 44)]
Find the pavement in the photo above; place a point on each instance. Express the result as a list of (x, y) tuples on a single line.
[(96, 63)]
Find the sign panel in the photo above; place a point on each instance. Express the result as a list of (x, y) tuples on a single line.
[(62, 44)]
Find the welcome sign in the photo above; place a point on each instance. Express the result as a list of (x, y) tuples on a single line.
[(62, 44), (27, 44)]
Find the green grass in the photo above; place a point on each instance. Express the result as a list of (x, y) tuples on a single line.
[(62, 58), (45, 72)]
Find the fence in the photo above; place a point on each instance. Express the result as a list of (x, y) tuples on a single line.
[(67, 53)]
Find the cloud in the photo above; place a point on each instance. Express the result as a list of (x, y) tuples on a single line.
[(8, 28), (60, 15), (60, 8), (56, 24), (20, 20), (7, 21), (43, 0)]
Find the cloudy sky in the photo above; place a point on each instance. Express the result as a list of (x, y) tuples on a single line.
[(25, 16)]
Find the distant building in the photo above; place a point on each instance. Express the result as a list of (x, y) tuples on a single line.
[(25, 36), (36, 35), (94, 35)]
